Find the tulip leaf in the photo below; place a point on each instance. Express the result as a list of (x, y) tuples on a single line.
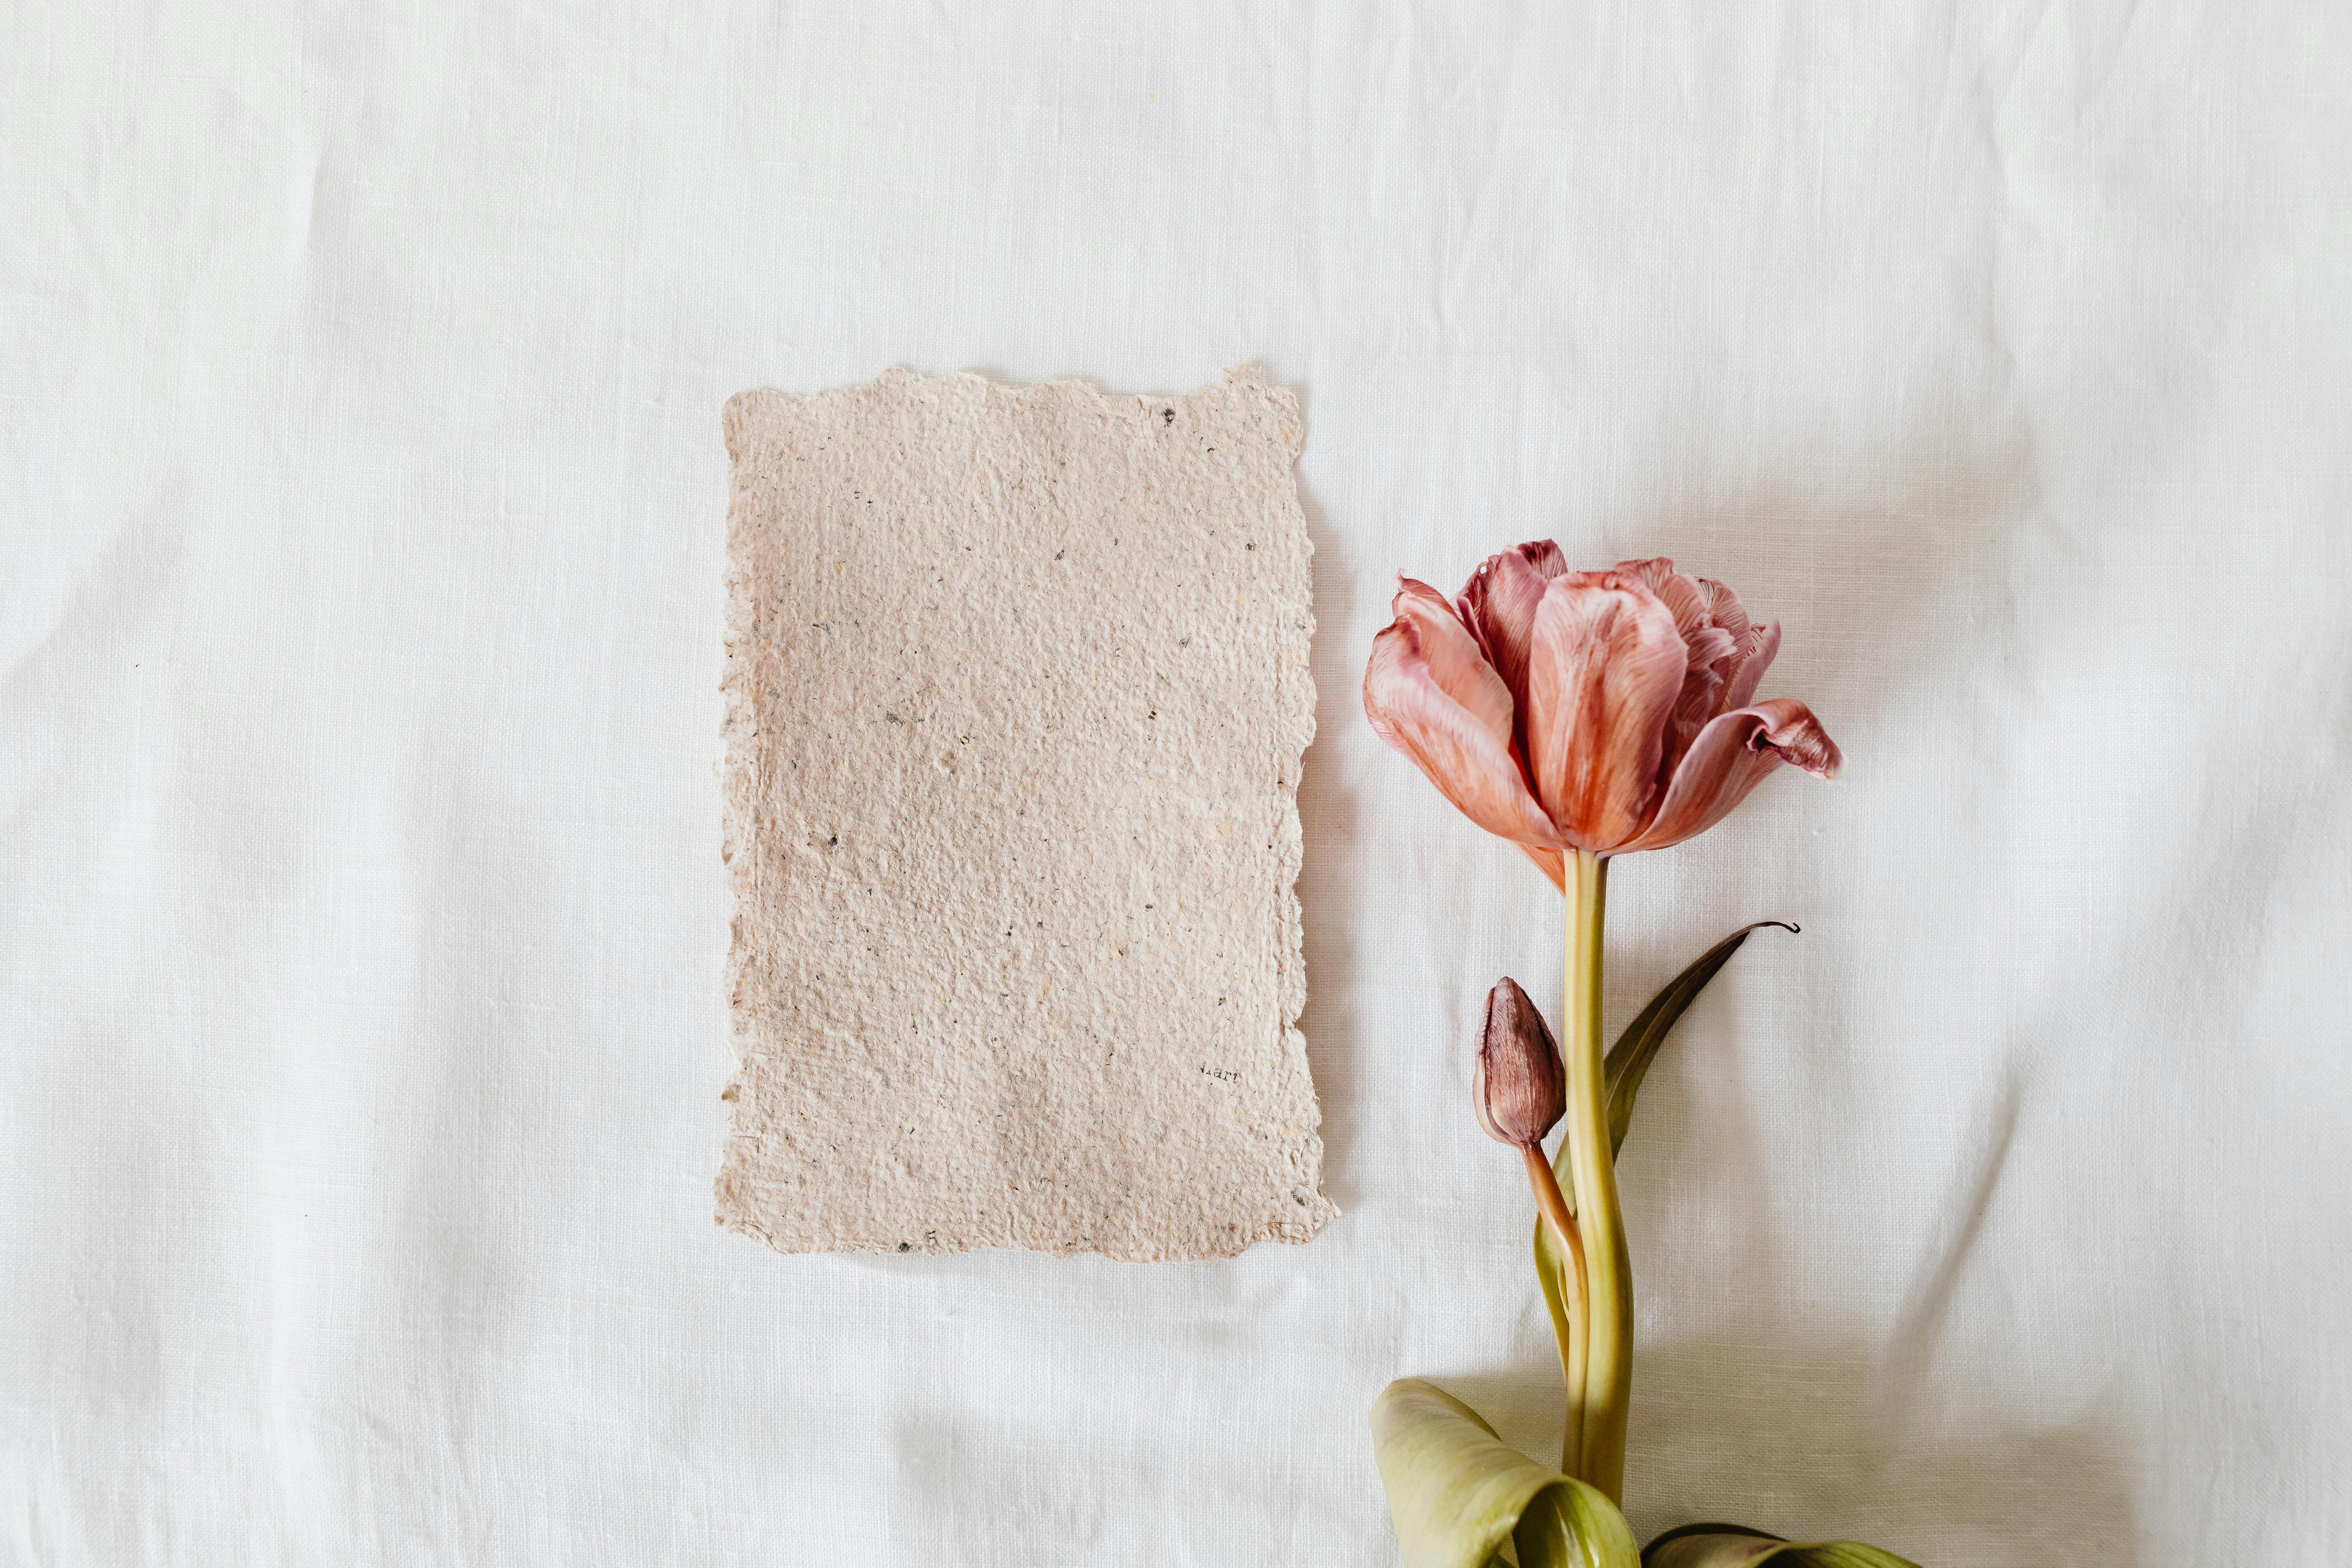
[(1462, 1498), (1627, 1064), (1458, 1492), (1629, 1059), (1735, 1546)]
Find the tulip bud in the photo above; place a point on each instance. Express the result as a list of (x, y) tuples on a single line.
[(1520, 1087)]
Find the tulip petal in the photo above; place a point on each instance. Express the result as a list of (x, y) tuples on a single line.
[(1700, 701), (1679, 593), (1724, 609), (1429, 694), (1456, 661), (1739, 688), (1705, 647), (1550, 862), (1499, 603), (1606, 668), (1732, 756), (1709, 648)]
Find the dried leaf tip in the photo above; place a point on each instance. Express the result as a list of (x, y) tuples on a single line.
[(1521, 1088)]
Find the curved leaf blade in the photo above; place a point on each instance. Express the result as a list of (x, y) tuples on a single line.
[(1573, 1526), (1458, 1492), (1628, 1062), (1737, 1546)]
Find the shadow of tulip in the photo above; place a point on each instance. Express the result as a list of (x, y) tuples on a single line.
[(1784, 1432), (1891, 588), (1792, 1432), (1880, 565)]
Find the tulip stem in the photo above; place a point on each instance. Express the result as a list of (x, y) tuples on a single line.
[(1572, 1350), (1608, 1272)]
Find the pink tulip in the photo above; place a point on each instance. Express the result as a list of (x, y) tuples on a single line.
[(1600, 712)]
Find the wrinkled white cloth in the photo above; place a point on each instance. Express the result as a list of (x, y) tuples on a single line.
[(363, 927)]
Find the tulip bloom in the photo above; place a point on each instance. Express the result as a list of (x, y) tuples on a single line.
[(1584, 715), (1594, 712)]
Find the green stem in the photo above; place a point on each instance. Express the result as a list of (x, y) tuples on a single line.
[(1569, 1313), (1609, 1271)]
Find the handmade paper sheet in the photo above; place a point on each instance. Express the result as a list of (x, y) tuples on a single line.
[(1017, 692)]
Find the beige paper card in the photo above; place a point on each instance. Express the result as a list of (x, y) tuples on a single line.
[(1017, 689)]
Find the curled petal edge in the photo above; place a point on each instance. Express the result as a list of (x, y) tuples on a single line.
[(1732, 756)]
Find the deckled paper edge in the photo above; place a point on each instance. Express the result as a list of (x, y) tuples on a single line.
[(740, 755)]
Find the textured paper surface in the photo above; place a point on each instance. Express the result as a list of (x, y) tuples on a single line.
[(1017, 690)]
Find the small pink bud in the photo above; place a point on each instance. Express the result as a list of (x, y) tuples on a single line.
[(1521, 1088)]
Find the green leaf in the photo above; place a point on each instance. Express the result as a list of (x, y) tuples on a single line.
[(1737, 1546), (1458, 1492), (1629, 1059), (1573, 1526), (1627, 1064)]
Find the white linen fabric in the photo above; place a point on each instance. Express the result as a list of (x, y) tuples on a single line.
[(362, 928)]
